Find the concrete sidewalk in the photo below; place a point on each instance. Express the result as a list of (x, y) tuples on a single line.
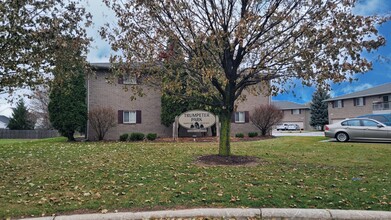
[(236, 213)]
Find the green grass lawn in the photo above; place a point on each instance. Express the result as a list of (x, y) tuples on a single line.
[(53, 176)]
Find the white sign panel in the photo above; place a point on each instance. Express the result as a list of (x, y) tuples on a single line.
[(197, 119)]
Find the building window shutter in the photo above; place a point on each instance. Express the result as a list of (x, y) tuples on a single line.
[(332, 104), (233, 117), (299, 111), (246, 116), (120, 80), (363, 100), (291, 111), (342, 103), (120, 116), (138, 117), (355, 102)]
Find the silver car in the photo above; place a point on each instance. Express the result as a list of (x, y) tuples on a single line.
[(358, 129)]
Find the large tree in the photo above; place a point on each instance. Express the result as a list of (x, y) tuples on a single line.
[(234, 45), (175, 99), (30, 33), (319, 108), (67, 105)]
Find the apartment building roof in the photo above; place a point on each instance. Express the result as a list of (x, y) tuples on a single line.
[(377, 90), (285, 105), (101, 65)]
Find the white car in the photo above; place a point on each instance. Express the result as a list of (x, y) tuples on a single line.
[(284, 127), (293, 127)]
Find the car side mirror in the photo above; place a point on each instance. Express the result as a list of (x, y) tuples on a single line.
[(380, 126)]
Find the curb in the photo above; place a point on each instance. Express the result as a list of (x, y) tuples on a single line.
[(237, 213)]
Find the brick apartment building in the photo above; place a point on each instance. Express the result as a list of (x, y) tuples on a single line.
[(143, 114), (376, 100)]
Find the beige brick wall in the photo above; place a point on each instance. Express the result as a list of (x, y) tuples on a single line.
[(251, 102), (103, 94), (351, 111)]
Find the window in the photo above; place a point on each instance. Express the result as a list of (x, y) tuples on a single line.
[(239, 117), (130, 80), (369, 123), (127, 79), (338, 104), (351, 123), (295, 111), (129, 117), (359, 101), (386, 100)]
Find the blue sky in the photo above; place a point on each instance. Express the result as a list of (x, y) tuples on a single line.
[(381, 73)]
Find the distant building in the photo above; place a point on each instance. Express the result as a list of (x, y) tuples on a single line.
[(376, 100), (295, 113), (4, 120)]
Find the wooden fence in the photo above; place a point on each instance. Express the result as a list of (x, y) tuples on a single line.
[(27, 134)]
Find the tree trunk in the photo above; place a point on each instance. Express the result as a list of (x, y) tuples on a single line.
[(226, 114), (224, 145), (70, 136)]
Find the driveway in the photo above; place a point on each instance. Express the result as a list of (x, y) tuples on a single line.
[(297, 133)]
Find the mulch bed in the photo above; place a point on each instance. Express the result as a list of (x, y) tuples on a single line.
[(211, 139), (216, 160)]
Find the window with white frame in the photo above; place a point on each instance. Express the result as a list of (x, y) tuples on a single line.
[(240, 117), (296, 112), (129, 117), (129, 79)]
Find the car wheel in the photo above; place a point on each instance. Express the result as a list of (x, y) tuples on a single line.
[(342, 137)]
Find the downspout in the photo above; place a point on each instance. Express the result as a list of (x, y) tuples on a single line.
[(88, 107)]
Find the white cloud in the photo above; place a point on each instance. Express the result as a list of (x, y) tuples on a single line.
[(100, 49), (371, 7), (9, 101), (349, 88), (5, 109)]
